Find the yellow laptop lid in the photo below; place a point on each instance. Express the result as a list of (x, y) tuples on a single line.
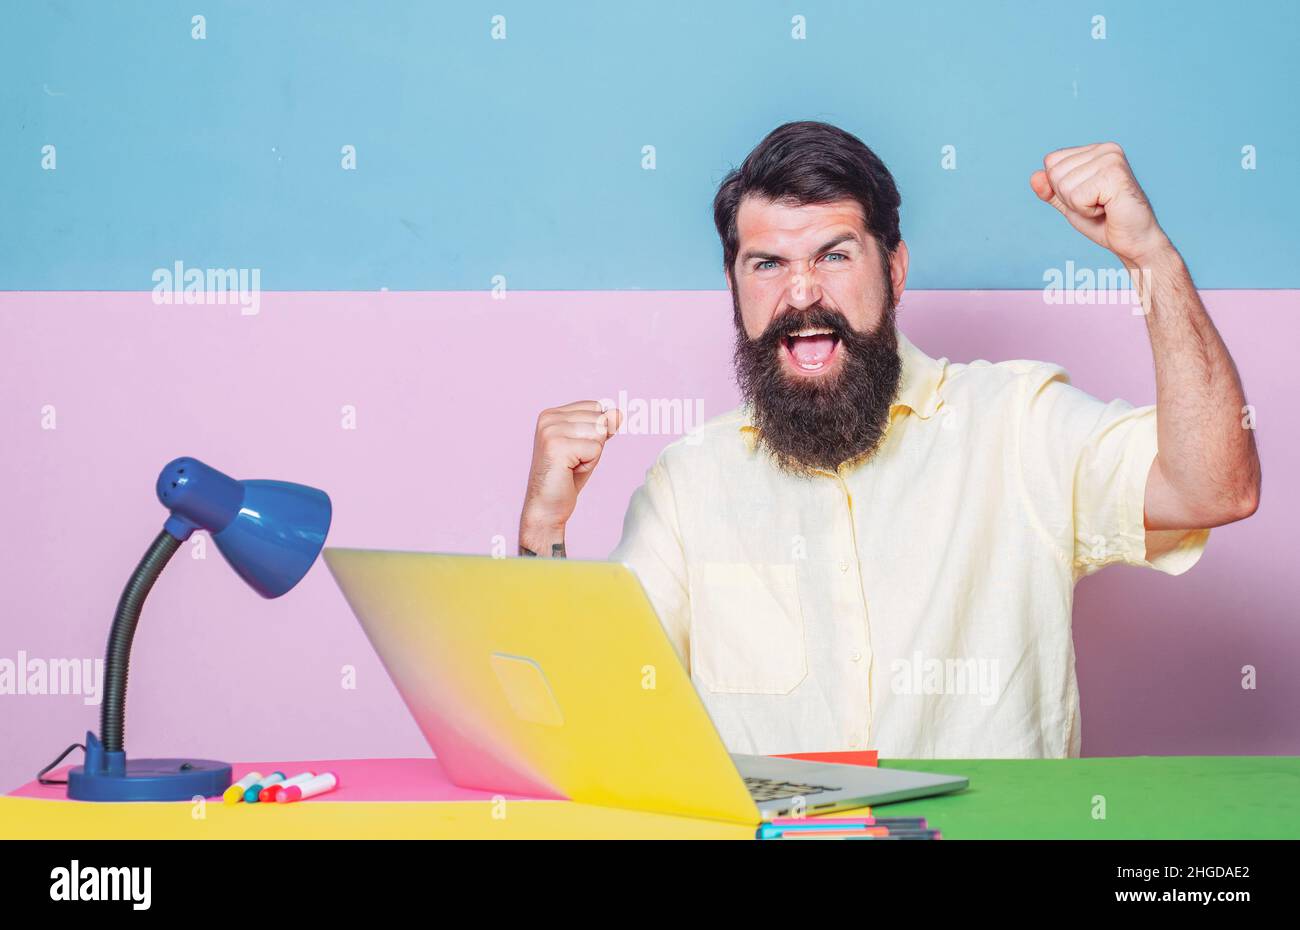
[(543, 677)]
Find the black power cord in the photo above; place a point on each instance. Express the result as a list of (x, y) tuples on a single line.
[(40, 776)]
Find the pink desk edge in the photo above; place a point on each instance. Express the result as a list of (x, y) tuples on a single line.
[(359, 780)]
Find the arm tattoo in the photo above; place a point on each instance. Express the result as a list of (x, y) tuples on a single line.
[(557, 551)]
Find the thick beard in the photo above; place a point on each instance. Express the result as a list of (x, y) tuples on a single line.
[(819, 424)]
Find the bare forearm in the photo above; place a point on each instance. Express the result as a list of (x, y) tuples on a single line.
[(1207, 460), (1206, 472)]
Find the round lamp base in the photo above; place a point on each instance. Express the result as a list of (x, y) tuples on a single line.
[(151, 780)]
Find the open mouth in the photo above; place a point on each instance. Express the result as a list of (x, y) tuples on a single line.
[(811, 349)]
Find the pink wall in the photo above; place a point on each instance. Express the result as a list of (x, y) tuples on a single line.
[(446, 387)]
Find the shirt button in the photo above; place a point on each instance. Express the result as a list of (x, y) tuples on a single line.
[(844, 566), (856, 657), (853, 742)]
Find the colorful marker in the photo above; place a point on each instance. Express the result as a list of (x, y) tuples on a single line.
[(920, 835), (880, 833), (327, 781), (235, 793), (269, 793), (843, 831), (255, 789), (784, 828), (848, 821)]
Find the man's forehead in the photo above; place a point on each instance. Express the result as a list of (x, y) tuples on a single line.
[(766, 220)]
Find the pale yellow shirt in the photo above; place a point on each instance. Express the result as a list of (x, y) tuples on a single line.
[(919, 603)]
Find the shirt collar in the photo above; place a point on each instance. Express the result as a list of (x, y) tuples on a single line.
[(918, 386)]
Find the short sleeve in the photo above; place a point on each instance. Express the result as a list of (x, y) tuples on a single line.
[(1086, 464), (651, 546)]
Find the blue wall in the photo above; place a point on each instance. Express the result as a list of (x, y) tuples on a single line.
[(522, 157)]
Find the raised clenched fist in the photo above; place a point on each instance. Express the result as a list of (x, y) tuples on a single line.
[(566, 448), (1094, 188)]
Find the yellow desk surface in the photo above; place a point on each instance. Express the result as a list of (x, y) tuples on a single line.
[(30, 818)]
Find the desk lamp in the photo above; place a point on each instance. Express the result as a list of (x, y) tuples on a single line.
[(270, 532)]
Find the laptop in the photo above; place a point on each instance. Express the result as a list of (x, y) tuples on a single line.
[(553, 678)]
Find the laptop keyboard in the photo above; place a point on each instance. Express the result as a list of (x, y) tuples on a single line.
[(769, 789)]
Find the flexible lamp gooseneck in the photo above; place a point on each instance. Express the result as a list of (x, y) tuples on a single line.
[(270, 532)]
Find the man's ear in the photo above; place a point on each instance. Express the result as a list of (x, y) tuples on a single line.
[(898, 270)]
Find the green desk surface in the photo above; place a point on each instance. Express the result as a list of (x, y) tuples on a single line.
[(1140, 797)]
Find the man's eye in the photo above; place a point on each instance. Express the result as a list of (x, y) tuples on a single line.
[(761, 265), (838, 255)]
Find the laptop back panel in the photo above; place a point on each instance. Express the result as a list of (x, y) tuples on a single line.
[(544, 678)]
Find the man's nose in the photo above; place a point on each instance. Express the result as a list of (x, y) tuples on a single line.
[(803, 288)]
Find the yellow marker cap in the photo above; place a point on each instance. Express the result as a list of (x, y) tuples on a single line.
[(235, 793)]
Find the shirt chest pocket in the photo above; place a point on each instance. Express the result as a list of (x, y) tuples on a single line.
[(747, 632)]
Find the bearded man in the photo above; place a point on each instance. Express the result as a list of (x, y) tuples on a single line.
[(877, 548)]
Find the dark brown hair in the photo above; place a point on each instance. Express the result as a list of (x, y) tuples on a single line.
[(811, 163)]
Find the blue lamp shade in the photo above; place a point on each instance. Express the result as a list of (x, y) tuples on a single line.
[(269, 531)]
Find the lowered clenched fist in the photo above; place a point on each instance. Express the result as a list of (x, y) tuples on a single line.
[(1094, 188), (566, 447)]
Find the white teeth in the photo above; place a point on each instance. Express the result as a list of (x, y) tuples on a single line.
[(811, 367), (810, 331)]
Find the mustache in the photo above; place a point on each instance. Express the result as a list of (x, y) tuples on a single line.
[(815, 317)]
